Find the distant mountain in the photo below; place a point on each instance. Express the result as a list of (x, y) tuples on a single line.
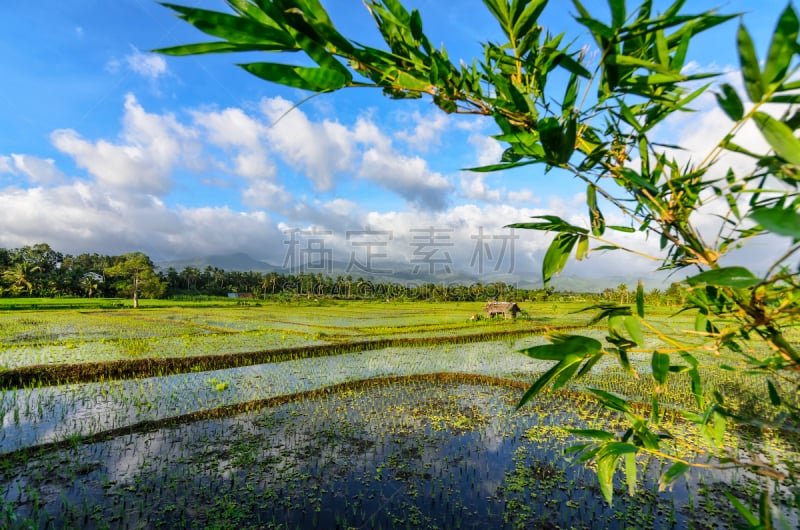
[(229, 262), (403, 273)]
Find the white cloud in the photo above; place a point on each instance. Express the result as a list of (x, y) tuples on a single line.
[(82, 218), (474, 187), (368, 133), (411, 178), (38, 170), (488, 149), (426, 132), (148, 65), (523, 196), (151, 146), (264, 194), (320, 150), (5, 165), (233, 130)]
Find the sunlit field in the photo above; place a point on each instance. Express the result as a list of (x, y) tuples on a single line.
[(367, 414)]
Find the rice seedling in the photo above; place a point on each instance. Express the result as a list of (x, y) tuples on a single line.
[(375, 452), (322, 429)]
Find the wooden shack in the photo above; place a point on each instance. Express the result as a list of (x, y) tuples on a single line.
[(507, 309)]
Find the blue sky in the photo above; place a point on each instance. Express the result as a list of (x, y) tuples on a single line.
[(105, 147)]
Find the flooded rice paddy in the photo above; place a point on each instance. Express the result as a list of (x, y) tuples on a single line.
[(422, 436), (401, 453)]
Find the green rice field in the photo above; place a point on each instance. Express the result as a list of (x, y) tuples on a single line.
[(336, 414)]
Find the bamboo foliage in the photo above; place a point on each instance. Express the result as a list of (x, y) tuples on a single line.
[(598, 127)]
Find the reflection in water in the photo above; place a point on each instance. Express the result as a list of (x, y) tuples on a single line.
[(407, 454)]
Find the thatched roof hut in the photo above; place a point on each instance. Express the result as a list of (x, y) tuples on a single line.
[(507, 309)]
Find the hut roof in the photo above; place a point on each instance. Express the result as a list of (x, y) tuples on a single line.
[(502, 306)]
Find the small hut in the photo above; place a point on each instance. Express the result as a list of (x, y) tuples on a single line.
[(507, 309)]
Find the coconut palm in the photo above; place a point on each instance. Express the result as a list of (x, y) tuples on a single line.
[(19, 276)]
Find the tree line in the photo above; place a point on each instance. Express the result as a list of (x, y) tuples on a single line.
[(40, 271)]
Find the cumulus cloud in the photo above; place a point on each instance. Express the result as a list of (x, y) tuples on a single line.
[(473, 186), (426, 132), (318, 149), (39, 171), (82, 218), (150, 147), (268, 195), (409, 177), (235, 132), (488, 150)]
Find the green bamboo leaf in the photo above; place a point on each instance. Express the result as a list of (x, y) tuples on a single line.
[(634, 329), (499, 9), (551, 135), (605, 476), (701, 321), (598, 29), (570, 96), (753, 81), (500, 167), (528, 18), (640, 298), (406, 81), (679, 57), (782, 47), (568, 136), (765, 510), (551, 222), (582, 249), (661, 48), (730, 102), (718, 428), (626, 60), (607, 459), (567, 365), (793, 99), (617, 13), (725, 277), (630, 472), (566, 374), (779, 136), (592, 433), (234, 28), (697, 386), (322, 57), (675, 471), (595, 215), (781, 221), (305, 78), (416, 25), (555, 259), (572, 66), (216, 47), (743, 511), (660, 365), (588, 365), (626, 229), (625, 362), (563, 345), (774, 397), (610, 400)]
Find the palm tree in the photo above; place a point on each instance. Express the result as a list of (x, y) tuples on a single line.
[(19, 276)]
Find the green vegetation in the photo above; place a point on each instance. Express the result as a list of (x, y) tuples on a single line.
[(599, 126), (93, 280), (427, 415)]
